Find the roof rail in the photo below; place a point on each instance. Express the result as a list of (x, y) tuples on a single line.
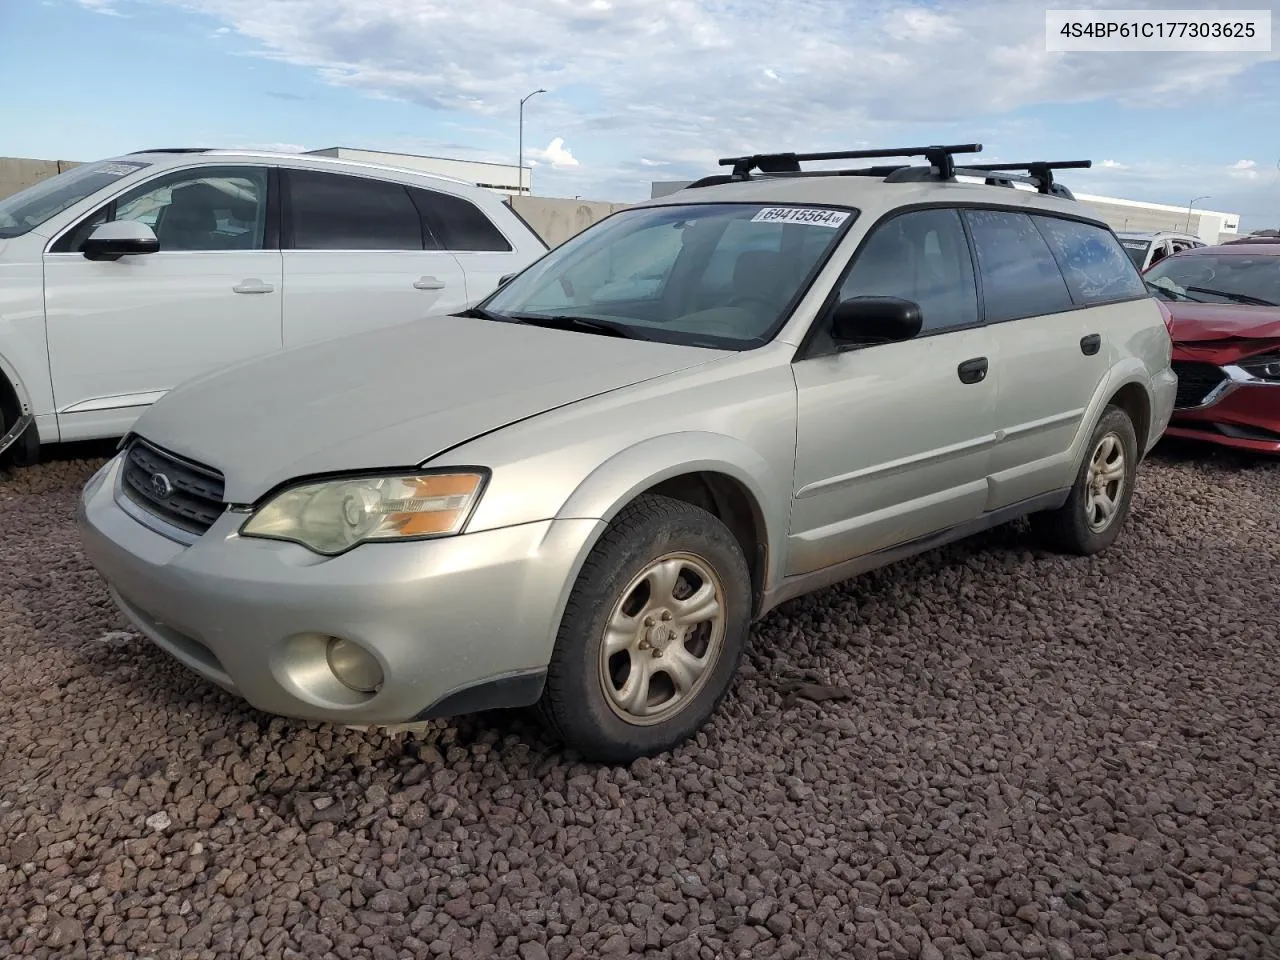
[(940, 157), (172, 150)]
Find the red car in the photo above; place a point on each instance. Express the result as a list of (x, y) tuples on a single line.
[(1224, 303)]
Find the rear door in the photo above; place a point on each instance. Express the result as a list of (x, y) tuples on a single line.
[(358, 255), (457, 225), (1055, 292), (894, 440), (121, 333)]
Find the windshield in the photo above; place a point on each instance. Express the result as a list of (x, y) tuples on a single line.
[(24, 211), (717, 275), (1136, 249), (1218, 278)]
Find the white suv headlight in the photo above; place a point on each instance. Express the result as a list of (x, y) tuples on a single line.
[(332, 516)]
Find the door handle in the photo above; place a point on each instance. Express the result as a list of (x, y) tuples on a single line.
[(1091, 344), (428, 283), (252, 285), (973, 371)]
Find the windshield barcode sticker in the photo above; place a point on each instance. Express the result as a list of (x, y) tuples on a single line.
[(815, 216)]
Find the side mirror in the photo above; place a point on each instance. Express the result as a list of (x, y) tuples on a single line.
[(503, 281), (861, 321), (119, 238)]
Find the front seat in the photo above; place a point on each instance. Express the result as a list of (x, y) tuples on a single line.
[(189, 221), (757, 276)]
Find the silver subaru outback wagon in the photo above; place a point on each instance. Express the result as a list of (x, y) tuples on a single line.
[(581, 493)]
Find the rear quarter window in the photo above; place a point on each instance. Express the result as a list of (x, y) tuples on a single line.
[(458, 224), (1094, 264)]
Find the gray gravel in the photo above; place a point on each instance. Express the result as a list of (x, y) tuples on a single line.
[(1041, 757)]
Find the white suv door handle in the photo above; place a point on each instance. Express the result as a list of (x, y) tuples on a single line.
[(428, 283), (252, 285)]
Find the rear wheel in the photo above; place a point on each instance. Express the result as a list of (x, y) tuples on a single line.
[(1091, 519), (652, 633)]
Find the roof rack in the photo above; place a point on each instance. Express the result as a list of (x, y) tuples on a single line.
[(939, 156), (1039, 173), (942, 166)]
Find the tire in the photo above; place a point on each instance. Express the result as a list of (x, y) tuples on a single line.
[(686, 552), (26, 451), (1071, 527)]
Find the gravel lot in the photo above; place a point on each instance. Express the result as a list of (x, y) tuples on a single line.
[(1035, 757)]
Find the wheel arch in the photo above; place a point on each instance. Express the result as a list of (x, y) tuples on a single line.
[(712, 471)]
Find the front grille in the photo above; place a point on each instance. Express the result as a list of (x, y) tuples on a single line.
[(178, 491), (1196, 381)]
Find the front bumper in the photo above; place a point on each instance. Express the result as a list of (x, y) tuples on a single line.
[(457, 624), (1243, 411)]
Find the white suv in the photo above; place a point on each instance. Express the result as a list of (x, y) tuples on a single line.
[(1147, 248), (123, 278)]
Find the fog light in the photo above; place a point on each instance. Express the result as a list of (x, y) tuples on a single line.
[(353, 665)]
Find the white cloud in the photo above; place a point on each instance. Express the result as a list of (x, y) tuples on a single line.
[(1113, 165), (688, 81), (107, 8), (1245, 170), (556, 154)]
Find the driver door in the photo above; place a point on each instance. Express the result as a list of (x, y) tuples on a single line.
[(122, 333)]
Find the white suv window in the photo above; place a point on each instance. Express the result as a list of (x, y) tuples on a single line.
[(206, 209)]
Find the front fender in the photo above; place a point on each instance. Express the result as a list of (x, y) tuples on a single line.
[(628, 473)]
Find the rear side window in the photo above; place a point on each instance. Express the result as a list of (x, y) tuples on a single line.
[(332, 211), (458, 224), (1020, 277), (1094, 264)]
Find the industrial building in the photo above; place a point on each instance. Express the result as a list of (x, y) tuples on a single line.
[(499, 177), (1211, 226)]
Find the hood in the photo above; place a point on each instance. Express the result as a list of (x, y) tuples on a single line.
[(1197, 322), (391, 398)]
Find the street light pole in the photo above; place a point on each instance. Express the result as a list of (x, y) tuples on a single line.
[(520, 163), (1187, 228)]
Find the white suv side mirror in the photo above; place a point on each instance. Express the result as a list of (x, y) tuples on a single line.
[(119, 238)]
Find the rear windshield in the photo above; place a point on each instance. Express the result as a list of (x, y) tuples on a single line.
[(24, 211), (1136, 249)]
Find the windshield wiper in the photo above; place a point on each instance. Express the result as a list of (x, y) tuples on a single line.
[(1169, 293), (563, 321), (1236, 297), (480, 313)]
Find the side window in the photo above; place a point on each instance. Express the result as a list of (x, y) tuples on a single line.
[(1160, 251), (333, 211), (209, 208), (458, 224), (1092, 261), (1020, 277), (921, 256)]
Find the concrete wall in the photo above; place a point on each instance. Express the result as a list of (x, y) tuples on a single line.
[(18, 173), (556, 220)]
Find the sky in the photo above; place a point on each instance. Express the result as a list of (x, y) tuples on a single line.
[(641, 90)]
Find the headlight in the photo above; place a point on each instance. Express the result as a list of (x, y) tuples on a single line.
[(1266, 366), (332, 516)]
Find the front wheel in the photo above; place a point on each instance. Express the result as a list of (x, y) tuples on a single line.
[(1091, 519), (652, 633)]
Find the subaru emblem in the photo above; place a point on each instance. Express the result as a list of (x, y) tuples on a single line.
[(161, 486)]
